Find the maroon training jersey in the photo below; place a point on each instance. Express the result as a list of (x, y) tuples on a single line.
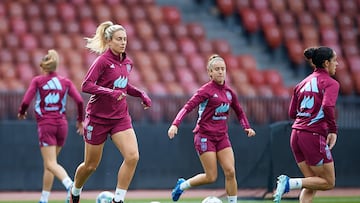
[(50, 92), (214, 103), (106, 80), (313, 103)]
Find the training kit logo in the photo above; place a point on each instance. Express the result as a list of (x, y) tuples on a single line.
[(52, 97)]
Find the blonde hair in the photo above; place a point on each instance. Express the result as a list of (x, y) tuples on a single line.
[(50, 62), (104, 32), (212, 59)]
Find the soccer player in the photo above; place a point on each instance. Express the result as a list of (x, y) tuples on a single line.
[(50, 91), (314, 131), (211, 139), (107, 80)]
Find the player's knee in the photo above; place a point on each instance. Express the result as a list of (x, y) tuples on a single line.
[(211, 178), (132, 158), (330, 185), (229, 173)]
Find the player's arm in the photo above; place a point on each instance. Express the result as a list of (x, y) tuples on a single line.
[(28, 96), (135, 92), (241, 116), (89, 85), (292, 111)]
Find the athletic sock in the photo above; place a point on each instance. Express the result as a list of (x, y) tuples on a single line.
[(119, 195), (67, 182), (185, 185), (295, 183), (232, 199), (44, 196), (76, 191)]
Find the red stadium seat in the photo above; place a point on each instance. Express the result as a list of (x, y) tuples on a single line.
[(242, 4), (356, 79), (6, 56), (144, 30), (18, 25), (179, 31), (196, 31), (15, 9), (138, 13), (102, 12), (249, 19), (84, 11), (66, 11), (169, 45), (332, 7), (346, 82), (278, 5), (154, 14), (54, 26), (120, 13), (25, 73), (152, 45), (171, 15), (266, 18), (178, 60), (295, 51), (345, 21), (290, 33), (348, 35), (205, 47), (231, 62), (264, 91), (273, 36), (36, 26), (285, 18), (309, 35), (350, 49), (4, 26), (239, 77), (349, 7), (162, 30), (226, 7), (187, 46), (247, 62), (29, 42), (296, 7), (273, 77), (314, 6), (174, 88), (354, 64), (325, 20), (221, 47), (260, 5), (21, 56), (305, 18), (49, 10), (88, 27), (329, 34), (32, 10)]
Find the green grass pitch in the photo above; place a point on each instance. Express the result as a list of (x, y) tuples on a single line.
[(198, 200)]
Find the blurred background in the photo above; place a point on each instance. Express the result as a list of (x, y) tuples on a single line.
[(262, 42)]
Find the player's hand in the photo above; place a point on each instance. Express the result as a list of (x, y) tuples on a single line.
[(146, 101), (331, 140), (250, 132), (172, 131), (80, 128), (122, 95), (22, 116)]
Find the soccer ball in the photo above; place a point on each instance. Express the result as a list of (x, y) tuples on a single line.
[(211, 199), (105, 197)]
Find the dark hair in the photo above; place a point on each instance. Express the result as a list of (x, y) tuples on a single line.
[(318, 55)]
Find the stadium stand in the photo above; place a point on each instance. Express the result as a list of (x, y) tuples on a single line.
[(170, 54)]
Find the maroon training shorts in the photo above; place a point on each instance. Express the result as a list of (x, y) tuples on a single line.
[(204, 143), (53, 135), (310, 147), (96, 133)]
